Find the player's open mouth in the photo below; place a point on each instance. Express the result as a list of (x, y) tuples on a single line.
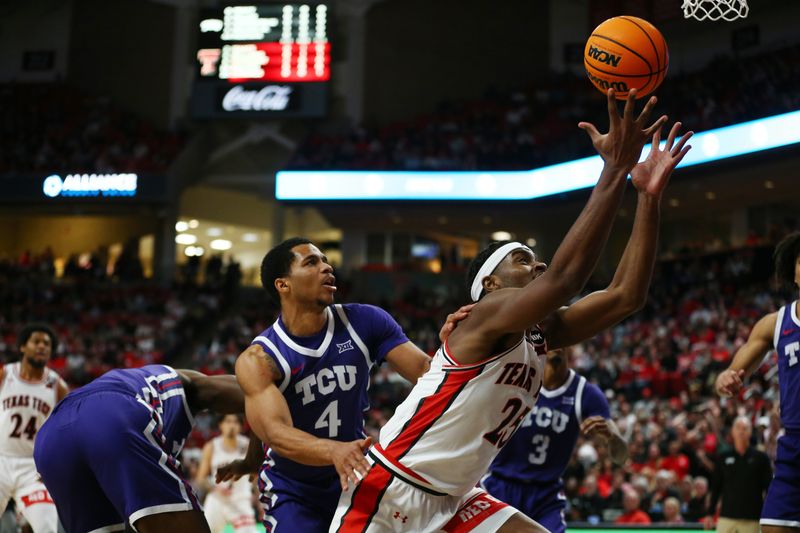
[(330, 284)]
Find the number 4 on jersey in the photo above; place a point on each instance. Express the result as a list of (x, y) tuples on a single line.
[(330, 419)]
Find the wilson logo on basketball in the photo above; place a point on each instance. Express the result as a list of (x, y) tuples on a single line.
[(604, 57)]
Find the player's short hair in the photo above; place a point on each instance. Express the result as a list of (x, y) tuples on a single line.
[(238, 416), (785, 256), (476, 264), (277, 263), (30, 329)]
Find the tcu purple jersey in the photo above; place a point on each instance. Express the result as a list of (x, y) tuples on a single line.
[(787, 344), (157, 386), (325, 377), (541, 448)]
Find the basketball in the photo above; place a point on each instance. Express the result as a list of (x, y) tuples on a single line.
[(625, 53)]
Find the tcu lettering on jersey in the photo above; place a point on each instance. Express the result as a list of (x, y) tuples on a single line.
[(327, 381)]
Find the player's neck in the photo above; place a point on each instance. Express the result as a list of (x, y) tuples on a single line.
[(303, 322), (555, 376), (30, 373)]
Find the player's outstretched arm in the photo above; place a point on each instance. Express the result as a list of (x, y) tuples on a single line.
[(627, 292), (270, 418), (578, 253), (408, 361), (748, 357), (219, 394)]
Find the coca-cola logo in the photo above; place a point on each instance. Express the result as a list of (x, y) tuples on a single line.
[(269, 98)]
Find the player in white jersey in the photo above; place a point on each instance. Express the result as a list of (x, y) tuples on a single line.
[(28, 393), (229, 502), (486, 377)]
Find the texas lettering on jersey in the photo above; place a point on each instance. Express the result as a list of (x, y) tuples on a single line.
[(23, 400)]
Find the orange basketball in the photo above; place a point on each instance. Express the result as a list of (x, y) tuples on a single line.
[(625, 53)]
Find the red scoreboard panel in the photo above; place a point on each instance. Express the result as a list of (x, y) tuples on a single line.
[(263, 60)]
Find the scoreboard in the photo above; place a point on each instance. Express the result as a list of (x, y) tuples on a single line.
[(262, 60)]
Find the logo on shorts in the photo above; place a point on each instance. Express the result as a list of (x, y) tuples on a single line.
[(40, 496), (397, 515), (345, 346)]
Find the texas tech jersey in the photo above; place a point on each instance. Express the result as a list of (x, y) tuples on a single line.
[(456, 419), (221, 457), (787, 344), (24, 406), (541, 449)]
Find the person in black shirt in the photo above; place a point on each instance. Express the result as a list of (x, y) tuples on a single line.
[(741, 478)]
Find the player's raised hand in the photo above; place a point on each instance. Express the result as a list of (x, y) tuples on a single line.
[(652, 175), (349, 461), (622, 146), (235, 470), (452, 321), (596, 427), (729, 382)]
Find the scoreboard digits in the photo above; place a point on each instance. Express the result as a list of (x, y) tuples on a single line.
[(263, 60)]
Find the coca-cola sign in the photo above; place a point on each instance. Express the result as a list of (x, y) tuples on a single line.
[(268, 98)]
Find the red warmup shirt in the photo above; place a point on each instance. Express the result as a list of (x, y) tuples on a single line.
[(635, 517)]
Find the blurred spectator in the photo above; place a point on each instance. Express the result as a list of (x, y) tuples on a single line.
[(697, 508), (672, 511), (632, 513), (741, 478)]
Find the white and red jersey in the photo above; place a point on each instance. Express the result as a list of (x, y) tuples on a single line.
[(24, 406), (456, 419), (221, 456)]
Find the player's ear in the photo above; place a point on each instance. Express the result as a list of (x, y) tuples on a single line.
[(282, 285), (491, 283)]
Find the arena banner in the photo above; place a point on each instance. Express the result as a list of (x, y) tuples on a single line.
[(56, 188), (370, 185)]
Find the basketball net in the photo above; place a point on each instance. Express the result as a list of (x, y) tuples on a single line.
[(715, 9)]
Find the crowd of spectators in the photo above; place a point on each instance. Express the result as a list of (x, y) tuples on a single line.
[(537, 125), (657, 368), (57, 128)]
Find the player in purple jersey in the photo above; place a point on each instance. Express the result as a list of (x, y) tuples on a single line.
[(107, 453), (779, 330), (305, 380), (527, 472)]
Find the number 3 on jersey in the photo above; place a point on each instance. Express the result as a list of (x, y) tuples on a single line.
[(330, 419), (540, 444)]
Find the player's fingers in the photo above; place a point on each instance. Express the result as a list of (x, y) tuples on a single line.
[(627, 114), (656, 140), (589, 128), (466, 308), (364, 444), (681, 143), (613, 110), (656, 125), (673, 132), (647, 110), (343, 480), (740, 374)]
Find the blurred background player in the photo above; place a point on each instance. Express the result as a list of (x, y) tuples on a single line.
[(527, 472), (108, 452), (228, 502), (28, 393), (781, 330), (305, 380)]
